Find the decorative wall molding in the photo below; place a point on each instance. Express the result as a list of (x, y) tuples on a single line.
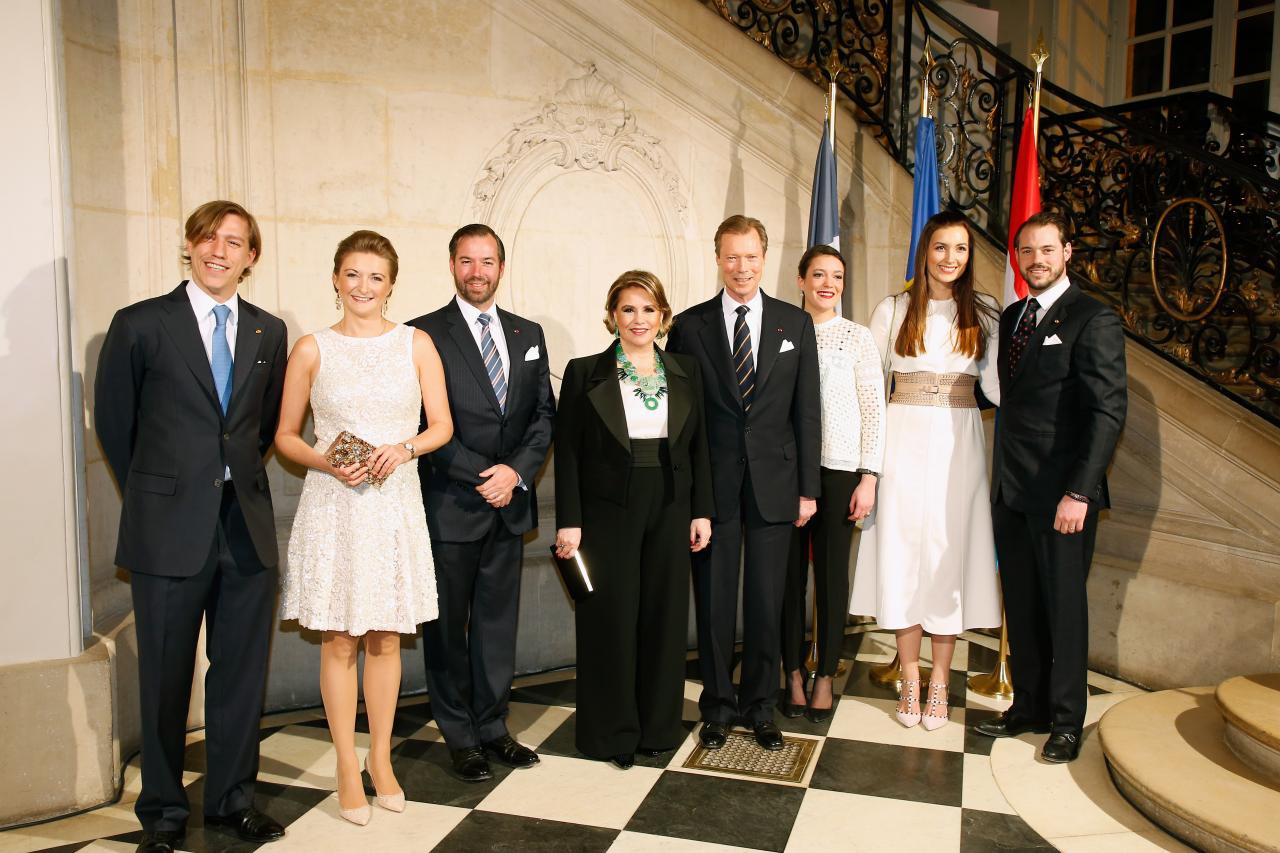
[(585, 126)]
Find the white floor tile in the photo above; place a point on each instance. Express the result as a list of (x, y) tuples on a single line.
[(641, 842), (861, 718), (532, 724), (574, 790), (980, 788), (847, 823), (1121, 842), (420, 827)]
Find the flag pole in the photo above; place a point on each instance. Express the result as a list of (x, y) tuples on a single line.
[(890, 674), (998, 683)]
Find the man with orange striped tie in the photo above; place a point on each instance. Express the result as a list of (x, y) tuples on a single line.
[(759, 364)]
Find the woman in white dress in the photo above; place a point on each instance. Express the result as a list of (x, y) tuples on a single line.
[(852, 385), (359, 563), (926, 558)]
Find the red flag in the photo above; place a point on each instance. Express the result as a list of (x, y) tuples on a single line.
[(1025, 202)]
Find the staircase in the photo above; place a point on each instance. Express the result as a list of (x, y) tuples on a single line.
[(1202, 763)]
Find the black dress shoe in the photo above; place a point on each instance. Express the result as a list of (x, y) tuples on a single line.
[(767, 735), (818, 715), (470, 764), (250, 824), (792, 711), (624, 761), (1061, 747), (160, 841), (1006, 726), (713, 735), (506, 750)]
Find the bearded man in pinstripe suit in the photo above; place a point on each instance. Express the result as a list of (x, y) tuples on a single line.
[(479, 495)]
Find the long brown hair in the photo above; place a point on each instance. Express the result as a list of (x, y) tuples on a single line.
[(968, 336)]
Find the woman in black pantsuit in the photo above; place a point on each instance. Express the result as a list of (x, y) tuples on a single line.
[(852, 390), (633, 491)]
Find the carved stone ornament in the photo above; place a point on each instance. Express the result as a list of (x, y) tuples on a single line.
[(587, 126)]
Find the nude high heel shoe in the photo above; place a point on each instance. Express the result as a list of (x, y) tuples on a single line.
[(359, 815), (390, 802), (911, 693), (931, 719)]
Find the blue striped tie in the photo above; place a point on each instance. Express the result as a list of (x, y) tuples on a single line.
[(221, 361), (492, 361), (743, 364)]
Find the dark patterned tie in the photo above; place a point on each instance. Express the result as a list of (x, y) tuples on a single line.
[(1022, 334), (492, 361), (743, 364)]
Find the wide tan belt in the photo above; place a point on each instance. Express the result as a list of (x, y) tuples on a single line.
[(951, 390)]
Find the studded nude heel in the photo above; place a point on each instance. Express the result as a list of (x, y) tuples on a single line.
[(936, 710), (910, 695)]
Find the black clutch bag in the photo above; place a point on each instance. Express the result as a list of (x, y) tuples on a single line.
[(573, 571)]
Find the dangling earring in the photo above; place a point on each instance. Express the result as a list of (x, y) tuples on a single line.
[(385, 303), (337, 300)]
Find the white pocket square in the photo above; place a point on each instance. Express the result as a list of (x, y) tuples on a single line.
[(787, 346), (1052, 340), (532, 354)]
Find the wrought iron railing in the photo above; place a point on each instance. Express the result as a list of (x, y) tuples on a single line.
[(1175, 203)]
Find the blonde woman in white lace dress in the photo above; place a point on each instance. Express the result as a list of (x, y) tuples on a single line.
[(359, 563), (926, 560), (852, 390)]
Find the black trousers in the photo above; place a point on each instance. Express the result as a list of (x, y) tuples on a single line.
[(235, 596), (830, 535), (1043, 574), (759, 549), (470, 650), (632, 631)]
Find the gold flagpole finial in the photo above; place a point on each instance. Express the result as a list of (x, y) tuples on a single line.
[(926, 63), (833, 71), (1039, 56)]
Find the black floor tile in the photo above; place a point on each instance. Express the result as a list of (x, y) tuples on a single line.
[(283, 802), (860, 684), (500, 833), (426, 774), (553, 693), (65, 848), (1096, 691), (722, 811), (974, 743), (884, 770), (982, 659), (562, 742), (982, 832)]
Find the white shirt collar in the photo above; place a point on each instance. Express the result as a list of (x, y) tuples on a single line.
[(729, 305), (1045, 300), (203, 304), (470, 312)]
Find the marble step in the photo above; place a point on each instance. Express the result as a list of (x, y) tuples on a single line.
[(1250, 706), (1168, 755)]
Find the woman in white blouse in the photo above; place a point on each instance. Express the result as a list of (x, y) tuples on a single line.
[(926, 560), (633, 491), (852, 386)]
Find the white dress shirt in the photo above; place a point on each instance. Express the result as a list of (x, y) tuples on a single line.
[(471, 314), (203, 304), (1045, 300), (729, 306)]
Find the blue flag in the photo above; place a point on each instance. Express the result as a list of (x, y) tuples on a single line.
[(926, 198), (824, 208)]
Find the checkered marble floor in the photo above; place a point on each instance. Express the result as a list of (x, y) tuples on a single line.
[(872, 785)]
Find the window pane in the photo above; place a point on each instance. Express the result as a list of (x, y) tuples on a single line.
[(1252, 4), (1146, 67), (1190, 11), (1252, 96), (1253, 44), (1189, 57), (1148, 16)]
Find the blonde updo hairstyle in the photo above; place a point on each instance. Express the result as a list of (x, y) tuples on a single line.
[(649, 283)]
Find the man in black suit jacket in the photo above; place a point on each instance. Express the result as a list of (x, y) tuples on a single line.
[(479, 495), (1063, 399), (759, 363), (186, 401)]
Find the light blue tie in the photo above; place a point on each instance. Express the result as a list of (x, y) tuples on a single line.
[(221, 356), (492, 361)]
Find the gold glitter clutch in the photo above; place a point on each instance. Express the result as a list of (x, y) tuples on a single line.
[(348, 449)]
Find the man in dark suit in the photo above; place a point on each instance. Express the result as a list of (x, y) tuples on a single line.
[(186, 402), (1063, 397), (759, 363), (479, 495)]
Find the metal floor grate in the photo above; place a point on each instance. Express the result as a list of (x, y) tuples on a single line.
[(741, 756)]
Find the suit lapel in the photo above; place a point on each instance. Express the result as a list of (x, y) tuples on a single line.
[(1046, 326), (248, 340), (770, 341), (716, 341), (180, 324), (471, 354), (513, 331), (679, 396), (606, 396)]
